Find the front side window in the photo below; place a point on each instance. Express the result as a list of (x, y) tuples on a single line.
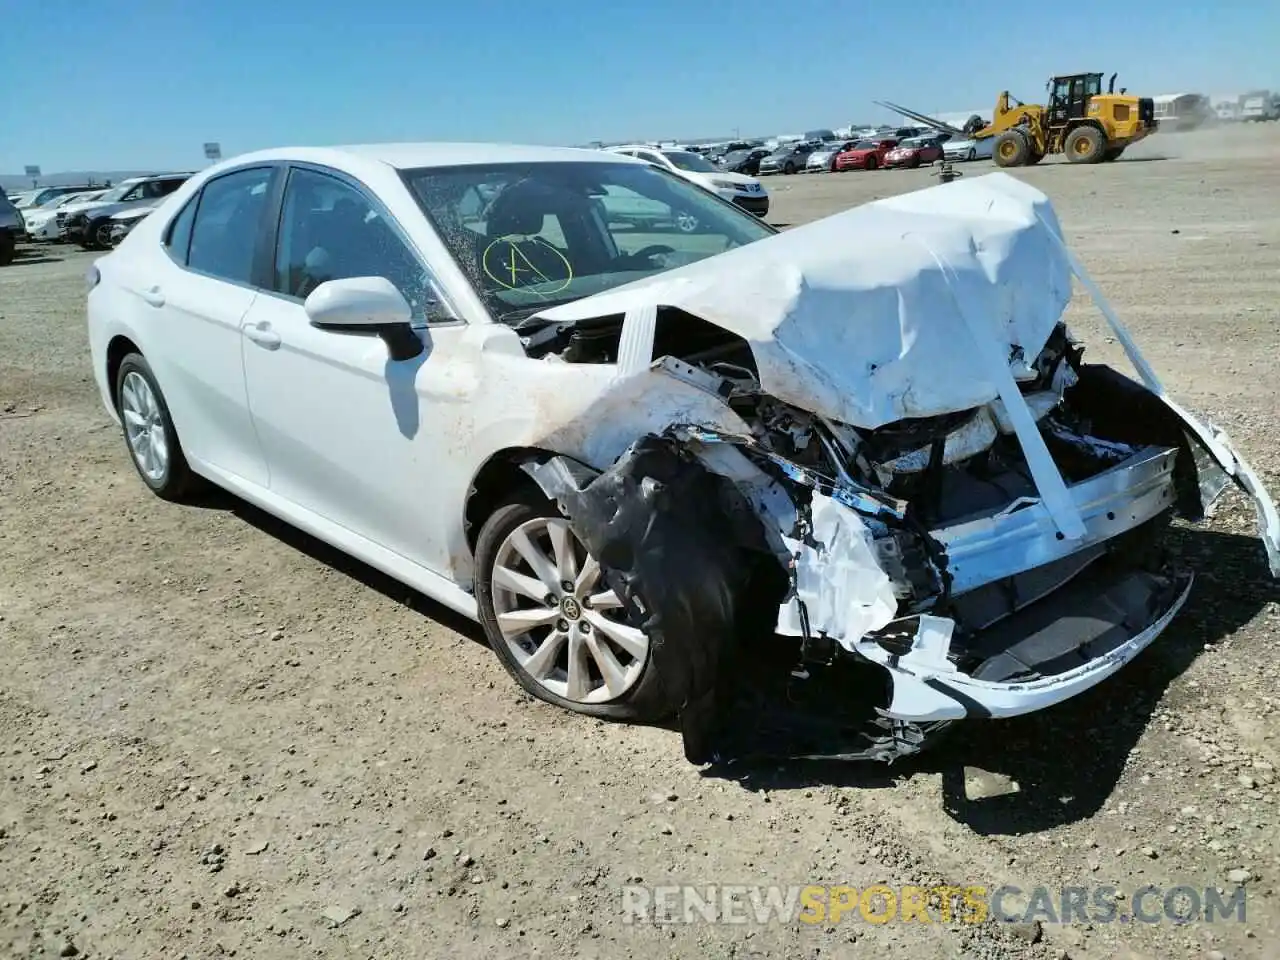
[(225, 232), (555, 232), (329, 230)]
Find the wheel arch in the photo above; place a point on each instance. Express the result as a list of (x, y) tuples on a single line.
[(497, 479), (118, 348)]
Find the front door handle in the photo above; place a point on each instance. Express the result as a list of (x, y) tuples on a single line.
[(154, 296), (262, 334)]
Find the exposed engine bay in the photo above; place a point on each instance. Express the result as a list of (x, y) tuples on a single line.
[(918, 486), (905, 487)]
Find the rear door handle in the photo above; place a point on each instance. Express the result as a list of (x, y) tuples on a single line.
[(154, 296), (262, 334)]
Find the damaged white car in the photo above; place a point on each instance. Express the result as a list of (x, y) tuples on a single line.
[(625, 449)]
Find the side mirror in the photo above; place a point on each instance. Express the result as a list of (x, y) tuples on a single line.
[(365, 305)]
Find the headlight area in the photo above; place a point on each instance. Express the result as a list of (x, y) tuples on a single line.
[(824, 591)]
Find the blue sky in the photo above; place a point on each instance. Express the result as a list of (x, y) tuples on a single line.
[(143, 83)]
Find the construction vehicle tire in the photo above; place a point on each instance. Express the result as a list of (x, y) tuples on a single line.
[(1034, 156), (1086, 144), (1011, 149), (1112, 154)]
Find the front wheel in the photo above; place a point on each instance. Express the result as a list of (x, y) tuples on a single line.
[(789, 169), (555, 624), (871, 163), (149, 431), (8, 249)]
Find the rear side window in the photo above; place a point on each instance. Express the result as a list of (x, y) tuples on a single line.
[(178, 239), (224, 234)]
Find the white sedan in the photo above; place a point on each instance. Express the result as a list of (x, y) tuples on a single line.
[(746, 191), (968, 149), (630, 452)]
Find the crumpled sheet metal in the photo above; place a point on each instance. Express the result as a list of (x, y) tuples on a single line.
[(854, 317), (845, 593)]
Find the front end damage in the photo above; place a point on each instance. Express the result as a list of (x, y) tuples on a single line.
[(994, 552)]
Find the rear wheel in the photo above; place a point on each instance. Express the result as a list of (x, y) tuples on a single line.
[(1085, 145), (1011, 149), (555, 624), (149, 431)]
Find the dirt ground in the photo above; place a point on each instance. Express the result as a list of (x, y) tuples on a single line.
[(220, 738)]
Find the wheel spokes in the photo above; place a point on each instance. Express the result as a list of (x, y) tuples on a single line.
[(519, 583), (611, 671), (538, 561), (517, 622), (562, 539), (543, 660), (628, 638)]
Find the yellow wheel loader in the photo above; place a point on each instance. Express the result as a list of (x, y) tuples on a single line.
[(1081, 121)]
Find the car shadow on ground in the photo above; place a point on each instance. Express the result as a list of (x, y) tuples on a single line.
[(1065, 761), (28, 255), (321, 552)]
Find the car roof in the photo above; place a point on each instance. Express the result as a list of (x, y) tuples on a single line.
[(407, 156)]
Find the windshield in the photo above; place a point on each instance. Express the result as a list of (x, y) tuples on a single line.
[(530, 236), (864, 145), (686, 160), (116, 192)]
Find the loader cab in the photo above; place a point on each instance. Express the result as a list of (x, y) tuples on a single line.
[(1069, 97)]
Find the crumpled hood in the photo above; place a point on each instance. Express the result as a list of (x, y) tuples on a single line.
[(875, 314)]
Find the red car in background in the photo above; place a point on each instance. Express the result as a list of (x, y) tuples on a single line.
[(913, 152), (865, 154)]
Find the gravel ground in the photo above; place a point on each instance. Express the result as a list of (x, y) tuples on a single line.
[(220, 738)]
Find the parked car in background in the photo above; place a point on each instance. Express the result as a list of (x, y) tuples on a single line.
[(11, 229), (42, 221), (914, 152), (124, 221), (823, 159), (738, 188), (968, 149), (820, 136), (38, 198), (865, 154), (90, 225), (788, 158), (744, 161)]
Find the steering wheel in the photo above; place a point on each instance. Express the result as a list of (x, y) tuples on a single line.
[(647, 253)]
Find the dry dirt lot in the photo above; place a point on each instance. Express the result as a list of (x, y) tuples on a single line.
[(221, 739)]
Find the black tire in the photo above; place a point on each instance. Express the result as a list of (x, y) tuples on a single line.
[(1112, 154), (178, 482), (1034, 157), (1085, 144), (789, 169), (8, 249), (872, 163), (645, 702), (1011, 149), (973, 154)]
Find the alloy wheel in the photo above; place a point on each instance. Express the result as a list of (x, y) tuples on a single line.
[(563, 626), (144, 426)]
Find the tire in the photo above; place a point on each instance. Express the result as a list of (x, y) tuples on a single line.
[(1112, 154), (1085, 144), (643, 699), (789, 169), (173, 480), (872, 163), (914, 163), (8, 249), (973, 154), (1034, 157), (1011, 149)]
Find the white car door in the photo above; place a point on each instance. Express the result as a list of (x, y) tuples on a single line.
[(350, 434), (195, 303)]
